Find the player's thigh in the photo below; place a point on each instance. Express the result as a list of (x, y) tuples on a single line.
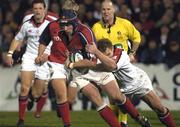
[(93, 94), (113, 91), (27, 78), (59, 86), (39, 87), (72, 93), (26, 81)]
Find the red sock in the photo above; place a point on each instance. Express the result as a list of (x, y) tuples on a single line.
[(107, 114), (129, 108), (22, 106), (167, 120), (41, 102), (64, 112)]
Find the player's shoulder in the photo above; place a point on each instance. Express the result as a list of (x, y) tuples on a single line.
[(84, 28), (51, 16)]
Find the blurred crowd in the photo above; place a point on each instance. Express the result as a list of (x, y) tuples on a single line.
[(157, 20)]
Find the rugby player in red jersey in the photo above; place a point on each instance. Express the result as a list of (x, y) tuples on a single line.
[(76, 36)]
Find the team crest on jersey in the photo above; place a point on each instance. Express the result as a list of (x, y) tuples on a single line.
[(119, 34)]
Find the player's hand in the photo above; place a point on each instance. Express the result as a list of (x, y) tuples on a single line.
[(44, 58), (91, 48), (9, 60), (68, 63), (38, 60)]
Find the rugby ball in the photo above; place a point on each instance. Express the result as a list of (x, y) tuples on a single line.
[(75, 57)]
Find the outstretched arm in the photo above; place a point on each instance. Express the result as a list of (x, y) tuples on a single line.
[(109, 63)]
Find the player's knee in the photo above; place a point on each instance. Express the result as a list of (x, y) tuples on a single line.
[(71, 100), (117, 98), (61, 97), (160, 110), (24, 90)]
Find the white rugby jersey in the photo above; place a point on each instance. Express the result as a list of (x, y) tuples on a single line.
[(30, 31), (130, 76)]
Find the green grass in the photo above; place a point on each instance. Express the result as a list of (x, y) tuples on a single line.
[(79, 119)]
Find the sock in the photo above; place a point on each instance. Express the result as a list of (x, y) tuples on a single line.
[(22, 106), (64, 112), (122, 117), (107, 114), (128, 107), (167, 119), (41, 101)]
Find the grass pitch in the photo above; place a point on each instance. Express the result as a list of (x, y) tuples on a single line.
[(79, 119)]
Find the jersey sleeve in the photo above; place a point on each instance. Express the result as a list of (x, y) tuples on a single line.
[(133, 34), (21, 34), (87, 36), (123, 59), (45, 37)]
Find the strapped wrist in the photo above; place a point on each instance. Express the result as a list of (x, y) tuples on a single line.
[(70, 65), (132, 52), (10, 52)]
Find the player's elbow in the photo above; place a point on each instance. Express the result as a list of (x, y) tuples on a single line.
[(112, 67)]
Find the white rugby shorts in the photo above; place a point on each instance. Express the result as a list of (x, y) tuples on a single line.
[(57, 70), (28, 64), (100, 78)]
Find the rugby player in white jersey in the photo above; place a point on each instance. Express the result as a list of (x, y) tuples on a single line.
[(30, 31), (39, 91), (135, 82)]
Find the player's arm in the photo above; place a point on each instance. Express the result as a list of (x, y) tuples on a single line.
[(82, 64), (135, 37), (44, 40), (87, 64), (14, 44), (18, 39), (109, 64)]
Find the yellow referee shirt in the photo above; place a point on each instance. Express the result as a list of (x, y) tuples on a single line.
[(119, 33)]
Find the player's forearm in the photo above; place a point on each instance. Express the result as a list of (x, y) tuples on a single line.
[(134, 47), (108, 62), (84, 64), (41, 49), (13, 46)]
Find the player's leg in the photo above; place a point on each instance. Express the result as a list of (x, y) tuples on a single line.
[(162, 112), (35, 92), (105, 112), (26, 81), (39, 88), (72, 93), (58, 82), (59, 86), (122, 117), (124, 103), (40, 94)]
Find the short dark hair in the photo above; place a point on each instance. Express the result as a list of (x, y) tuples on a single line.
[(103, 44), (39, 1)]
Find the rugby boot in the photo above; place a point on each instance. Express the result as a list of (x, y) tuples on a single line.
[(124, 125), (20, 123)]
